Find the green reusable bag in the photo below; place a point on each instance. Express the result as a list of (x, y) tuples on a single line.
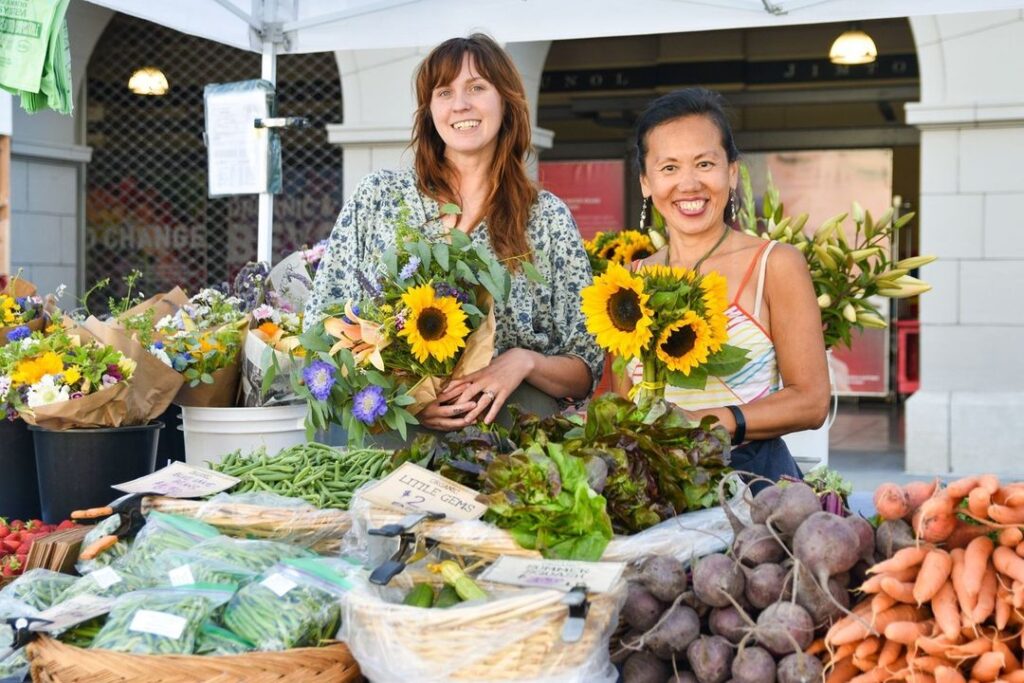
[(35, 58)]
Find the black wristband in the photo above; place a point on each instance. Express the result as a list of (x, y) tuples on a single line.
[(741, 425)]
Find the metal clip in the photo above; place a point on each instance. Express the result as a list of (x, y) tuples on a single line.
[(405, 524), (407, 554), (24, 632), (579, 606)]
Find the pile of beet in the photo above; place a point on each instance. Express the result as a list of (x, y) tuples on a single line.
[(749, 614)]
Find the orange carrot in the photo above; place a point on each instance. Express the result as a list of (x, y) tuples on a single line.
[(875, 675), (1004, 514), (892, 502), (920, 491), (919, 677), (961, 488), (948, 674), (1004, 607), (1014, 676), (902, 591), (947, 611), (978, 501), (989, 482), (1010, 494), (928, 663), (889, 653), (853, 631), (986, 597), (872, 584), (880, 603), (936, 645), (843, 672), (973, 648), (816, 647), (1011, 537), (1019, 549), (935, 521), (907, 632), (976, 556), (1008, 563), (956, 575), (1012, 663), (910, 556), (867, 647), (932, 576), (988, 666)]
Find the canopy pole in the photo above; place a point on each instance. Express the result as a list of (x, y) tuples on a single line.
[(265, 228)]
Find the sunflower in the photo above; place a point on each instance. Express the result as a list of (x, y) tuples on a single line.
[(660, 272), (616, 310), (715, 297), (436, 326), (633, 246), (683, 345)]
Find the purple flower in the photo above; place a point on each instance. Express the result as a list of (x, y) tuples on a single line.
[(355, 310), (400, 321), (76, 394), (114, 373), (319, 377), (263, 312), (18, 333), (369, 405), (109, 380), (410, 268), (445, 289)]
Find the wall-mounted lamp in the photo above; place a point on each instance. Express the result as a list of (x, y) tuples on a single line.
[(853, 47), (148, 81)]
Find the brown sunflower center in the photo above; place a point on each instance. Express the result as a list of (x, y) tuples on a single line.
[(680, 342), (642, 252), (432, 324), (624, 309)]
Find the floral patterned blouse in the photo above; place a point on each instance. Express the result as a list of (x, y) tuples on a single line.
[(546, 318)]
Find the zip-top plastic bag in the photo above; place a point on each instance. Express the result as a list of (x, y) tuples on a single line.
[(104, 528), (293, 604), (254, 555), (163, 532), (106, 582), (161, 620), (184, 567), (38, 588), (214, 640)]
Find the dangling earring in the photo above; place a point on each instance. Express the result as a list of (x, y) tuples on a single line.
[(643, 213), (733, 201)]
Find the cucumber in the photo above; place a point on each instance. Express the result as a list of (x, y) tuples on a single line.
[(421, 595), (447, 597)]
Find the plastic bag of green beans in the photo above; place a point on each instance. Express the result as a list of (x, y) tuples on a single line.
[(184, 567), (106, 582), (214, 640), (255, 555), (163, 532), (293, 604), (38, 588), (161, 620), (104, 528)]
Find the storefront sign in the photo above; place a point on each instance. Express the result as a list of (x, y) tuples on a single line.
[(412, 488)]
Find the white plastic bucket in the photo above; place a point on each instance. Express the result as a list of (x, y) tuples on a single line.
[(212, 433), (810, 447)]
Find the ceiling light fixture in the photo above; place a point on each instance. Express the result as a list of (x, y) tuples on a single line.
[(853, 47), (148, 80)]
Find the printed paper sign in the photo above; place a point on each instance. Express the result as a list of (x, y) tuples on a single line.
[(563, 575), (106, 577), (158, 623), (279, 584), (73, 612), (412, 488), (179, 480)]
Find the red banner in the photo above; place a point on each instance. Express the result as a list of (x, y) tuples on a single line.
[(593, 190)]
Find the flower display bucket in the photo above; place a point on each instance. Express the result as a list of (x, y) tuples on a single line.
[(212, 433), (77, 467), (19, 489)]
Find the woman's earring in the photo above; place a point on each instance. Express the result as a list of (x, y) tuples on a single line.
[(643, 213), (732, 206)]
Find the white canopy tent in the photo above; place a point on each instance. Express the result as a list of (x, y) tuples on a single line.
[(300, 26)]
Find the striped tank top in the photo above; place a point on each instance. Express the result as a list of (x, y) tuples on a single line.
[(758, 378)]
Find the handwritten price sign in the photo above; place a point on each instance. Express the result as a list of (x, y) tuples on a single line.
[(412, 488)]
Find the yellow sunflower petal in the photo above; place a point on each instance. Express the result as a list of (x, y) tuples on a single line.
[(436, 326), (616, 312), (684, 344)]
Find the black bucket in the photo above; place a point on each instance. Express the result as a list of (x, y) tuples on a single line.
[(77, 467), (172, 439), (19, 489)]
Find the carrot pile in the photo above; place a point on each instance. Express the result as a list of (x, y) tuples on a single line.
[(951, 607)]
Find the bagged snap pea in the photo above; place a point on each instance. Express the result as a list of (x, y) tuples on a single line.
[(105, 528), (163, 532), (214, 640), (107, 582), (184, 567), (38, 588), (293, 604), (161, 620), (14, 665), (255, 555)]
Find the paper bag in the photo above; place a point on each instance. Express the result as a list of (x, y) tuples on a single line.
[(220, 394), (254, 367)]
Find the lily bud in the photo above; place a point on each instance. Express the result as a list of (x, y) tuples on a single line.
[(656, 239), (824, 301), (871, 320), (915, 261), (850, 313)]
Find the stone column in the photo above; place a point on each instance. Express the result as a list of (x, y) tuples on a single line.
[(966, 417), (379, 101)]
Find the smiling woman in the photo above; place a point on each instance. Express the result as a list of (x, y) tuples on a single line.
[(471, 137)]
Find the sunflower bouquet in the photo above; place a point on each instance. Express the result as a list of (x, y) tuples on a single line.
[(426, 316), (670, 319), (622, 247)]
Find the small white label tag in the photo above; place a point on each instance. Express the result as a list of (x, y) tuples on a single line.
[(106, 577), (412, 488), (181, 576), (158, 623), (563, 575), (279, 584), (179, 480)]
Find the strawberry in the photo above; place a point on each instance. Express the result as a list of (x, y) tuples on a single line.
[(11, 567), (11, 545), (17, 525), (4, 529), (66, 524), (27, 538)]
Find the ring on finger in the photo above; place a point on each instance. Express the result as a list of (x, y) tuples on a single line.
[(489, 394)]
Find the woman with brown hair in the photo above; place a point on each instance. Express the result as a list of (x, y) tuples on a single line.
[(471, 135)]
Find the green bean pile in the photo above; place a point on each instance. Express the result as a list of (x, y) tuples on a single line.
[(88, 585), (301, 617), (253, 555), (38, 588), (202, 569), (214, 640), (117, 633), (320, 475)]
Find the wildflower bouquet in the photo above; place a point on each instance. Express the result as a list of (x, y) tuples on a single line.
[(847, 273), (21, 310), (622, 247), (671, 319), (271, 353), (427, 316)]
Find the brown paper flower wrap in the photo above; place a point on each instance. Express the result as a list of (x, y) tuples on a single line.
[(223, 391), (135, 401), (162, 305), (17, 287)]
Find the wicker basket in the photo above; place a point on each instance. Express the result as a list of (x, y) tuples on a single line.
[(54, 662), (320, 530), (517, 636)]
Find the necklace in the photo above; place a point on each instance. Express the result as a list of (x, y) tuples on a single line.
[(709, 252)]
